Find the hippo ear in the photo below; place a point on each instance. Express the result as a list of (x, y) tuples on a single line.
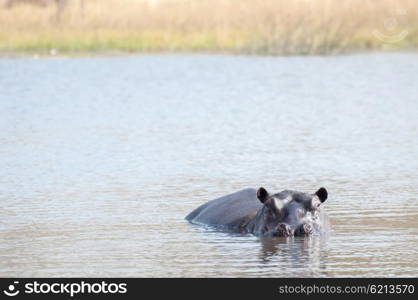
[(262, 194), (322, 194)]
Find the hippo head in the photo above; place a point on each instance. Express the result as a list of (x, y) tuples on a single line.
[(289, 213)]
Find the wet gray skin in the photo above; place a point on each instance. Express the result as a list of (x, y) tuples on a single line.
[(288, 213)]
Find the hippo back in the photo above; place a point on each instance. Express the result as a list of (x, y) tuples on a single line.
[(231, 210)]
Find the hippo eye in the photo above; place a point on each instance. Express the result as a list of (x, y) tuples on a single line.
[(298, 200)]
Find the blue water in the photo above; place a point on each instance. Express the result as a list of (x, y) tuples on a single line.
[(101, 159)]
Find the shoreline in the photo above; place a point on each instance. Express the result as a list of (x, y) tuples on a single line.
[(53, 53)]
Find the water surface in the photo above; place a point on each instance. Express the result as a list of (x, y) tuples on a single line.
[(101, 159)]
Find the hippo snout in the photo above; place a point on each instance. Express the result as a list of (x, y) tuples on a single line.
[(285, 230)]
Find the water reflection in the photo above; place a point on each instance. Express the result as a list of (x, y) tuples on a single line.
[(295, 252)]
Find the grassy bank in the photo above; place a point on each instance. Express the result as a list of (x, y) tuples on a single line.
[(235, 26)]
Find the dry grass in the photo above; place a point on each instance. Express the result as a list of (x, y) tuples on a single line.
[(237, 26)]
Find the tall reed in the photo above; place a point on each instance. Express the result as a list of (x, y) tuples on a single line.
[(234, 26)]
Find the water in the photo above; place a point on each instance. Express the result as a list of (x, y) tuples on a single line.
[(101, 159)]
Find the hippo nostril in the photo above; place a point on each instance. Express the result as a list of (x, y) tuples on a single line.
[(305, 229), (284, 229)]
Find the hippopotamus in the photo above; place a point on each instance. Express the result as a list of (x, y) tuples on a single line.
[(288, 213)]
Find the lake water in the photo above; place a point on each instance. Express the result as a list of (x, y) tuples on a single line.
[(102, 158)]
